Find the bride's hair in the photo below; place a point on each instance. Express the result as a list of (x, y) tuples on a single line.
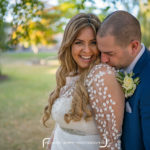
[(68, 65)]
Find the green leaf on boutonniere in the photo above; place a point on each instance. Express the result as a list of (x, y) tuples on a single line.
[(137, 80), (127, 82)]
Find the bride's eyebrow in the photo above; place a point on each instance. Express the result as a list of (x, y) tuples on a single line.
[(78, 39)]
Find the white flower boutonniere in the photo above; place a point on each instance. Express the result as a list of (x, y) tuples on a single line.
[(127, 82)]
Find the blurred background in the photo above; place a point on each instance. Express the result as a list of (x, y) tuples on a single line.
[(30, 36)]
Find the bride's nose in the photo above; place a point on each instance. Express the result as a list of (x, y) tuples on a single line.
[(87, 48)]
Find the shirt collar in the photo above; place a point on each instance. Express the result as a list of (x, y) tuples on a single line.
[(132, 65)]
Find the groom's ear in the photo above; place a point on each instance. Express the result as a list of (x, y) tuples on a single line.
[(135, 46)]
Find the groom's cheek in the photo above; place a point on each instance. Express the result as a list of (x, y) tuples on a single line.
[(104, 58)]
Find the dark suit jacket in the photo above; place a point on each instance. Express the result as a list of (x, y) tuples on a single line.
[(136, 125)]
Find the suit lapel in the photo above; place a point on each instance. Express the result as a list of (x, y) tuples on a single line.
[(138, 69), (141, 63)]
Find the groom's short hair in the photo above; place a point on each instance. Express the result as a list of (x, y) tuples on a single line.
[(123, 26)]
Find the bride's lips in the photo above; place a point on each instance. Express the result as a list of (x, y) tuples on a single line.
[(86, 58)]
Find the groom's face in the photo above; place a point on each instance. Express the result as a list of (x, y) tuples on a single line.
[(113, 54)]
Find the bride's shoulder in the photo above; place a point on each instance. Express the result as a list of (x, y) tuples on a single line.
[(99, 73), (102, 69)]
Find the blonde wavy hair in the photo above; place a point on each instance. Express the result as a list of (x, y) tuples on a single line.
[(68, 66)]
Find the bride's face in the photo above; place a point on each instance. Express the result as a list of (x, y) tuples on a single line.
[(84, 49)]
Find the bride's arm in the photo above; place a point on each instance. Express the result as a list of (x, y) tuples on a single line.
[(107, 102)]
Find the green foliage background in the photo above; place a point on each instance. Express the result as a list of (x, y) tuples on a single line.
[(36, 22)]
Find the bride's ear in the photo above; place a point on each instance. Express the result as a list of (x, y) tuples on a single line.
[(135, 46)]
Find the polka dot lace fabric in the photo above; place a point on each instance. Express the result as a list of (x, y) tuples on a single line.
[(107, 102), (62, 105)]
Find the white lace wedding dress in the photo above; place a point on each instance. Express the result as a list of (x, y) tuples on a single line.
[(105, 125)]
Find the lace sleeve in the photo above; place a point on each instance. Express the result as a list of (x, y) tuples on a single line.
[(107, 102)]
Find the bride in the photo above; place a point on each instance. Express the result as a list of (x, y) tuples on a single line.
[(87, 103)]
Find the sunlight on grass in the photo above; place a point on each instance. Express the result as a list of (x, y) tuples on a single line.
[(53, 71)]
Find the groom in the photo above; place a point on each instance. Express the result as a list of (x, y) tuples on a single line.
[(119, 41)]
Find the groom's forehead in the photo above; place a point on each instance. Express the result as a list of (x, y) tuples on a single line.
[(107, 44), (108, 40), (106, 47), (108, 50)]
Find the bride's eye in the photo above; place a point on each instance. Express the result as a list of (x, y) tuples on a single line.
[(77, 42), (93, 42)]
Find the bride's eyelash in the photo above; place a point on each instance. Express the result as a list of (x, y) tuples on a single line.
[(77, 42), (93, 42)]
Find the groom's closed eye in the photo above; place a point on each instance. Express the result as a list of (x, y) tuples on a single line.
[(109, 53)]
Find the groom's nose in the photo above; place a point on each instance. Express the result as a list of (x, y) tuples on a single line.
[(104, 58)]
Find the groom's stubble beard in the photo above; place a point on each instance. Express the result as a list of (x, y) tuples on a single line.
[(119, 66), (124, 61)]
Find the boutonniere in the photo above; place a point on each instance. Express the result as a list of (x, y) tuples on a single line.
[(128, 83)]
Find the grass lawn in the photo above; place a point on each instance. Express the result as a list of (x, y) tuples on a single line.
[(22, 99)]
